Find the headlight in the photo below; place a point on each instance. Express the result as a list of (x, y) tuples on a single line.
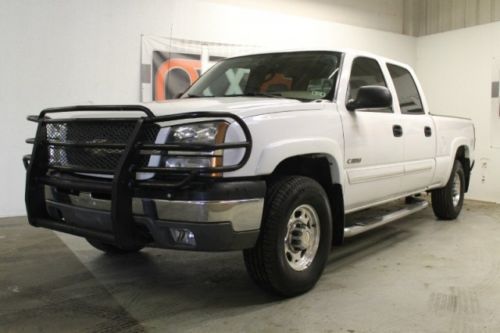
[(196, 133)]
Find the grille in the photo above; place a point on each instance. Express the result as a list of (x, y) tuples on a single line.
[(93, 132)]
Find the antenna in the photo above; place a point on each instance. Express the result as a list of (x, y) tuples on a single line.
[(169, 57)]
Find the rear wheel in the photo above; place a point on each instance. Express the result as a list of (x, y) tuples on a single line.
[(114, 249), (295, 237), (447, 202)]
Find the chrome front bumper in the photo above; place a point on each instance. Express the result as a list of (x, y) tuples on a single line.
[(243, 214)]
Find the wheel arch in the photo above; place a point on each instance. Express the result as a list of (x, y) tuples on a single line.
[(323, 168), (463, 155)]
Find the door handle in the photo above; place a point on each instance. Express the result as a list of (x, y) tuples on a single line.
[(427, 131), (397, 130)]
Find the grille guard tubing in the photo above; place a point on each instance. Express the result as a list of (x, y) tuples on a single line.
[(124, 180)]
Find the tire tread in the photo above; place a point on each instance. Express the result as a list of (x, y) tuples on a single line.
[(262, 267), (442, 205)]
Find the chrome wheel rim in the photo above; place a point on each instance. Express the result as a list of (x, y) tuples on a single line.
[(302, 237), (456, 190)]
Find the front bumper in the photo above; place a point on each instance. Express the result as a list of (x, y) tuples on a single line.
[(181, 207), (204, 225)]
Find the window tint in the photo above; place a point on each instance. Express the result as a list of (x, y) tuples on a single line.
[(232, 82), (364, 72), (409, 98), (306, 76)]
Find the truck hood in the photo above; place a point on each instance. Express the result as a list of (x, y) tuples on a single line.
[(241, 106)]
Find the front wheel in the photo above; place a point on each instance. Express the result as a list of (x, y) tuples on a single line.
[(447, 202), (295, 237)]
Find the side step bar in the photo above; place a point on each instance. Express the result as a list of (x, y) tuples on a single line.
[(359, 226)]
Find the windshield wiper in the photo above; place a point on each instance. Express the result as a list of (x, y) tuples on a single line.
[(263, 94), (195, 96), (249, 94)]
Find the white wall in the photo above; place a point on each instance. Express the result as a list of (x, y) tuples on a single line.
[(455, 69), (64, 52), (374, 14)]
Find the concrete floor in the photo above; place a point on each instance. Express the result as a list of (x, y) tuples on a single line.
[(416, 275)]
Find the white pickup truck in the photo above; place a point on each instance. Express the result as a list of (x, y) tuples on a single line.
[(268, 153)]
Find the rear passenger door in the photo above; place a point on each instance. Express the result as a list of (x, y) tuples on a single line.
[(373, 158), (418, 131)]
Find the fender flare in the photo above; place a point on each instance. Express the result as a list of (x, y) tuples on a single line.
[(273, 154), (456, 144)]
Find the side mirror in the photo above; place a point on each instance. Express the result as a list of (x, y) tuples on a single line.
[(371, 97)]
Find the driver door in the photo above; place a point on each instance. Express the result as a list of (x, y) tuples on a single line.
[(373, 152)]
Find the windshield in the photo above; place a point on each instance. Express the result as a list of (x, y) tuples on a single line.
[(305, 76)]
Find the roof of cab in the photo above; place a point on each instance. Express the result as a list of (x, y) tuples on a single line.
[(353, 52)]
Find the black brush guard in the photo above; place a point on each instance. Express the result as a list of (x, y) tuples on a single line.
[(121, 188)]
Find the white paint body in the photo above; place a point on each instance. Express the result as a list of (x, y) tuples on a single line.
[(389, 167)]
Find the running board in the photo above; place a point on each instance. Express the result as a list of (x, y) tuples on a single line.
[(361, 225)]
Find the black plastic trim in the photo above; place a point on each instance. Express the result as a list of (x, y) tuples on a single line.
[(210, 190), (75, 230), (90, 223), (26, 161), (208, 236)]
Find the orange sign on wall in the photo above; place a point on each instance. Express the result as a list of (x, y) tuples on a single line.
[(174, 73)]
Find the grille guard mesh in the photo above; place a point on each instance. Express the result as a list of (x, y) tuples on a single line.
[(96, 145)]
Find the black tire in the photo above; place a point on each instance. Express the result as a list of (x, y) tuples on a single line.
[(267, 263), (114, 249), (443, 204)]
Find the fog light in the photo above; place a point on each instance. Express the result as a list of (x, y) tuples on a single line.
[(183, 236)]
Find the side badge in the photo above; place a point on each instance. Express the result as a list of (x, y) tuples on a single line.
[(354, 160)]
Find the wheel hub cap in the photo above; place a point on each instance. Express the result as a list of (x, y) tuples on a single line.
[(302, 238)]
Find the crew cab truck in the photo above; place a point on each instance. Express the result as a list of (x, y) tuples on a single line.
[(266, 153)]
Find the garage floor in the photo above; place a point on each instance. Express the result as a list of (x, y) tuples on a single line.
[(416, 275)]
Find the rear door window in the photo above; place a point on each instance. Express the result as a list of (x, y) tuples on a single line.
[(409, 98)]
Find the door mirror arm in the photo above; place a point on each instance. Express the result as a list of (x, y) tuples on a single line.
[(351, 105)]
